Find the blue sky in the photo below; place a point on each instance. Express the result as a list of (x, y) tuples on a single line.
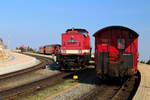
[(40, 22)]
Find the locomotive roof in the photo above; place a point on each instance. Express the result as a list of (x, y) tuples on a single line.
[(77, 29), (116, 27), (53, 45)]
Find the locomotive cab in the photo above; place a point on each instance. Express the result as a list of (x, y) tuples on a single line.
[(116, 51)]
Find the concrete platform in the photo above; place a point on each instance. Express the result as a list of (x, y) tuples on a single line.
[(143, 92), (49, 56), (17, 62)]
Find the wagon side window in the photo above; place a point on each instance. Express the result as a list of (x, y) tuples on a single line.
[(121, 44)]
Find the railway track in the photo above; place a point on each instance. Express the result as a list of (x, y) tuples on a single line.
[(113, 91), (12, 93), (44, 61), (102, 90)]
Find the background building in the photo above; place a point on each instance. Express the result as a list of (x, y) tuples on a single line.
[(2, 46), (3, 51)]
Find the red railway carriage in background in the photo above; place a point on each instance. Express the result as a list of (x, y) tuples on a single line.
[(75, 50), (41, 50), (116, 51), (50, 49)]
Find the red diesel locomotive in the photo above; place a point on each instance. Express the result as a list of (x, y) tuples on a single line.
[(116, 51), (50, 49), (75, 50)]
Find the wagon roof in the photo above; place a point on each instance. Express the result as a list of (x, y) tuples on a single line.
[(77, 29), (114, 27)]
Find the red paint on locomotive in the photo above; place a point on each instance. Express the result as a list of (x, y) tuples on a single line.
[(75, 50), (116, 51), (75, 41)]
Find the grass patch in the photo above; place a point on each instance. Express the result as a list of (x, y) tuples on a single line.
[(49, 91)]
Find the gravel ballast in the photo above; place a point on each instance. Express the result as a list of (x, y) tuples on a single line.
[(74, 93), (25, 78), (86, 83)]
